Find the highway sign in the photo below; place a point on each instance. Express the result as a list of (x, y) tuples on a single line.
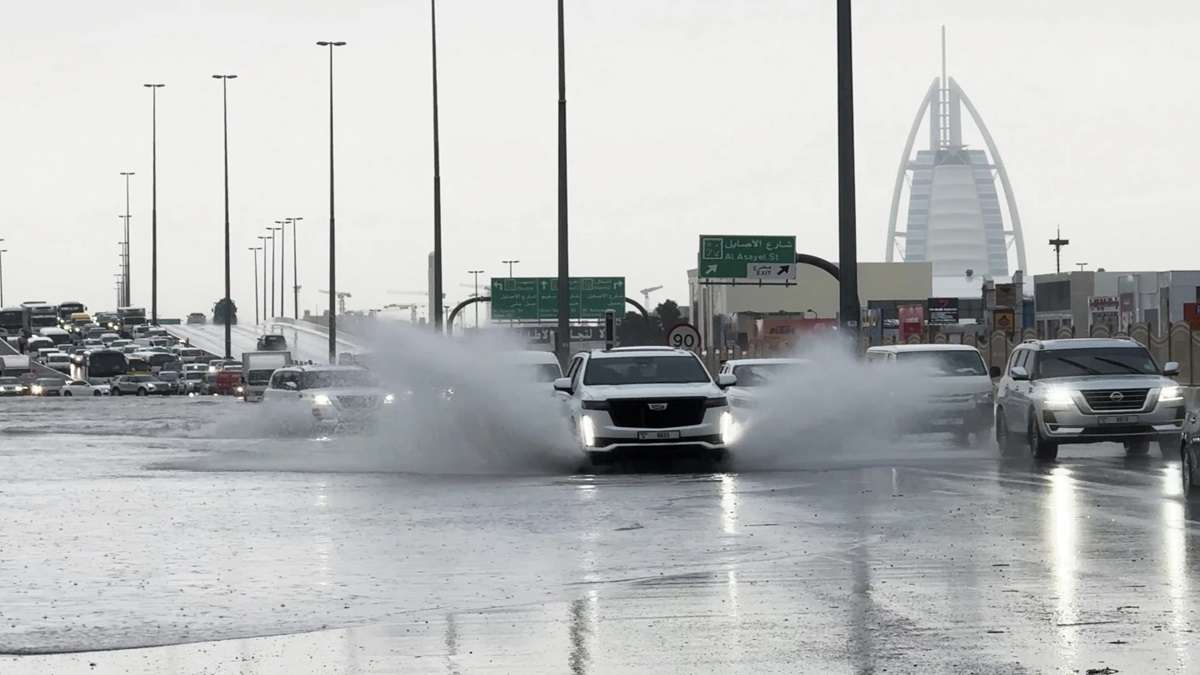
[(536, 298), (761, 258), (684, 336)]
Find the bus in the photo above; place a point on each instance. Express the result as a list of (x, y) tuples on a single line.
[(100, 365), (128, 317), (41, 316), (66, 309), (12, 320)]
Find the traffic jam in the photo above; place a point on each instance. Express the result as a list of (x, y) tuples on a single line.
[(630, 402)]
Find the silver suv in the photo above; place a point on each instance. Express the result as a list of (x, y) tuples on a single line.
[(1086, 391)]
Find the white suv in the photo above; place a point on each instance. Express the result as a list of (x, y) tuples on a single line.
[(1087, 391), (646, 401), (332, 395)]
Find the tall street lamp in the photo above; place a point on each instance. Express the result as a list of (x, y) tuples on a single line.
[(562, 338), (332, 231), (262, 240), (225, 135), (848, 301), (125, 281), (476, 273), (2, 252), (272, 230), (437, 179), (510, 264), (282, 264), (154, 200), (254, 251), (295, 274)]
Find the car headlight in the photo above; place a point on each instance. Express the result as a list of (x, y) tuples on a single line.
[(321, 399), (1058, 398), (587, 431), (241, 389), (729, 428), (37, 389), (1171, 393), (389, 398)]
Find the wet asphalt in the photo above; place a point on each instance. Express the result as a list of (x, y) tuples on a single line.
[(138, 537)]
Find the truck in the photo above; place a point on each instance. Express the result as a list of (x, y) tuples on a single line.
[(257, 368), (41, 316), (128, 317)]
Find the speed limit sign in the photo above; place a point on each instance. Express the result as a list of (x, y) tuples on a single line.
[(684, 336)]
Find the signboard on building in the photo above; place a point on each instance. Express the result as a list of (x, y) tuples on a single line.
[(758, 258), (943, 311), (1104, 310), (536, 298), (912, 320), (1004, 320), (1191, 315)]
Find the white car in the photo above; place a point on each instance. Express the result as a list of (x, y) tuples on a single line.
[(85, 388), (646, 402), (956, 388), (541, 366), (330, 396), (59, 361), (751, 375)]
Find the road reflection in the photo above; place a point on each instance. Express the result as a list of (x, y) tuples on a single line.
[(1174, 558), (1062, 535)]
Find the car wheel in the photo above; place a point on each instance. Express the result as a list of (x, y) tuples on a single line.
[(116, 391), (141, 391), (1138, 448), (67, 393), (1039, 447), (96, 393), (1186, 470)]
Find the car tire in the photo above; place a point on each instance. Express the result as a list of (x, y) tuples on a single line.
[(1004, 438), (116, 391), (67, 393), (1039, 447), (1138, 448), (141, 391), (96, 393)]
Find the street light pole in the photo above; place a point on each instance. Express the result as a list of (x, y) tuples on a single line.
[(562, 337), (225, 129), (282, 264), (125, 281), (272, 230), (295, 274), (510, 264), (153, 201), (476, 273), (332, 231), (262, 240), (2, 252), (437, 178), (254, 250), (847, 228)]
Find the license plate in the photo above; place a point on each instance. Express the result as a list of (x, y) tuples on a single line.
[(657, 435), (1119, 419)]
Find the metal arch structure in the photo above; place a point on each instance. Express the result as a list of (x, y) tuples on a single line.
[(485, 298), (928, 102)]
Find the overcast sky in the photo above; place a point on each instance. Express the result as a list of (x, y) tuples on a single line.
[(704, 116)]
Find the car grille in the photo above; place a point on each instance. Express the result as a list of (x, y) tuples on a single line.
[(636, 412), (1106, 400), (358, 402)]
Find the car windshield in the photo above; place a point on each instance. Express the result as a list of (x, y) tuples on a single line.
[(945, 363), (758, 374), (1103, 361), (273, 341), (327, 379), (546, 372), (645, 370), (9, 380)]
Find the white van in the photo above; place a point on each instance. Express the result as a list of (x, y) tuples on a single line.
[(959, 389)]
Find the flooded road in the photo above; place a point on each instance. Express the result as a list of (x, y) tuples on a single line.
[(160, 527)]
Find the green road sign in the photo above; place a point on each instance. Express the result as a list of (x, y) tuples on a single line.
[(536, 298), (764, 258)]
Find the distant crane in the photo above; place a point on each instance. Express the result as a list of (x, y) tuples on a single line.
[(341, 298), (410, 306), (646, 295)]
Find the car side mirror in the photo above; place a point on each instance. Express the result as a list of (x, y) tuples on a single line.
[(725, 380), (563, 384), (995, 372), (1019, 373), (1171, 369)]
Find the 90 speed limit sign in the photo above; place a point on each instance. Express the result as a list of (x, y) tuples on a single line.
[(684, 336)]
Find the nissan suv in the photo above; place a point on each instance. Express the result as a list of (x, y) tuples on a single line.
[(646, 401), (1086, 390)]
